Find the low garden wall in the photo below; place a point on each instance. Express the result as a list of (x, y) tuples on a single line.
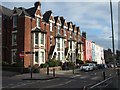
[(44, 70)]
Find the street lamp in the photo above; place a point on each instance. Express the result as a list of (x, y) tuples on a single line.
[(112, 37)]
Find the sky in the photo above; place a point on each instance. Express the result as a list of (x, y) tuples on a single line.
[(91, 16)]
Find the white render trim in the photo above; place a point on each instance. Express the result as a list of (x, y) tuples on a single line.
[(51, 26), (51, 21), (13, 49), (65, 27), (14, 31), (38, 16), (34, 28), (38, 8), (70, 29), (75, 31), (58, 24), (28, 17)]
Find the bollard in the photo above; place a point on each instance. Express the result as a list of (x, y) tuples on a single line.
[(47, 70), (103, 75), (73, 70), (53, 72), (118, 73)]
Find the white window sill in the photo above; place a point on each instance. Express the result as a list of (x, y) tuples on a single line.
[(14, 44)]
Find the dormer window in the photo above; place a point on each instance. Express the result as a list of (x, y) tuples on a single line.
[(14, 21), (38, 22)]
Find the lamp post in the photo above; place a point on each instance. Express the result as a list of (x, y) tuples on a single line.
[(112, 37)]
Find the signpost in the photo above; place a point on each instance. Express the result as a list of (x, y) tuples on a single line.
[(21, 55), (30, 62)]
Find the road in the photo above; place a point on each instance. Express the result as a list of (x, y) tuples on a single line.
[(79, 80)]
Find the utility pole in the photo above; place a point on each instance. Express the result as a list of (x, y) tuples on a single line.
[(113, 37), (115, 83)]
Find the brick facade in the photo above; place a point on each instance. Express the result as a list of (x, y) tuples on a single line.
[(30, 22)]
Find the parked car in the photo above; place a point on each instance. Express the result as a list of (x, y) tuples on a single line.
[(94, 66), (102, 66), (87, 67)]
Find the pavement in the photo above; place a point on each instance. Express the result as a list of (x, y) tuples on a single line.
[(37, 76)]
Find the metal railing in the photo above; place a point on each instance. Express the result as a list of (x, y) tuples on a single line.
[(101, 85)]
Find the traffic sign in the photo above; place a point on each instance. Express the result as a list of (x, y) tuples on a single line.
[(21, 54)]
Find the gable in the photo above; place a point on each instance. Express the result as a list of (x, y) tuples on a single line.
[(38, 12), (52, 19)]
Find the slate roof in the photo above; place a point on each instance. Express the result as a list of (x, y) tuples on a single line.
[(73, 27), (68, 23), (62, 21), (31, 11), (56, 18), (47, 15), (5, 11)]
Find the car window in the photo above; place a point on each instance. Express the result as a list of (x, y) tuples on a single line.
[(85, 65)]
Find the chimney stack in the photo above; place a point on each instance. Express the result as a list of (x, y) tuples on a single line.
[(84, 34)]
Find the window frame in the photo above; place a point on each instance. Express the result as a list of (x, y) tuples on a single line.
[(14, 36), (15, 21), (37, 57), (58, 43), (14, 50), (38, 22), (42, 56), (36, 38), (58, 56), (42, 39)]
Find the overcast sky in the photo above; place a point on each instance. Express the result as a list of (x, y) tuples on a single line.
[(92, 17)]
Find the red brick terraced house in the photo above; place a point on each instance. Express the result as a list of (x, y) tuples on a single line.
[(49, 37)]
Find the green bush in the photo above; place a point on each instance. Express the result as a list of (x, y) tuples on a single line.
[(54, 63), (43, 65), (51, 63), (35, 69), (70, 65), (4, 63), (16, 65), (79, 61)]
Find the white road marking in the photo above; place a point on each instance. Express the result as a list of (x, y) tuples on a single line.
[(94, 78), (59, 84), (50, 80), (28, 82), (23, 84), (83, 77), (75, 76)]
